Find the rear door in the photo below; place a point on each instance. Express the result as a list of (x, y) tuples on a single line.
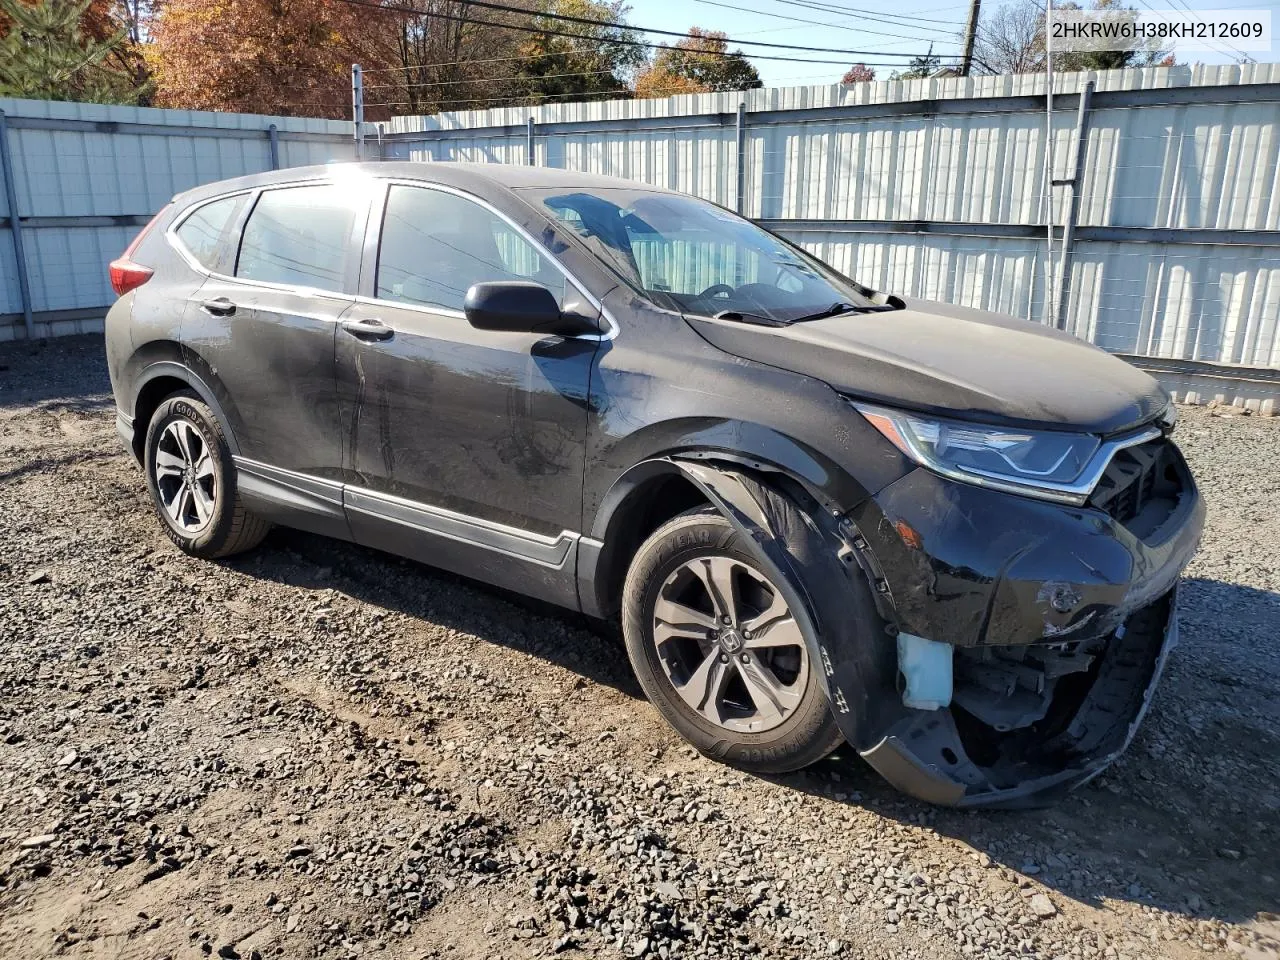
[(264, 333), (466, 446)]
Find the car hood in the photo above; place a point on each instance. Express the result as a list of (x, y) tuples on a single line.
[(951, 360)]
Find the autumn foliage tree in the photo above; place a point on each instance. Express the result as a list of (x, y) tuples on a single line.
[(858, 73), (699, 63), (258, 56)]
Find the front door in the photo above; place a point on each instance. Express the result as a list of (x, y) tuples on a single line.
[(465, 447)]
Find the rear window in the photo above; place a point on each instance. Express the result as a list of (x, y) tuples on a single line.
[(299, 236), (202, 231)]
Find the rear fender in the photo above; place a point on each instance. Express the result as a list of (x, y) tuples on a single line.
[(804, 552), (179, 371)]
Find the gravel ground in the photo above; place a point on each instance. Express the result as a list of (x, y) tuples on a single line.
[(320, 750)]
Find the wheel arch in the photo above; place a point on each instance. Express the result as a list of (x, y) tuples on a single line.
[(162, 379), (654, 491)]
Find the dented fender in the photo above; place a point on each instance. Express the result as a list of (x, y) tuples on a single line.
[(806, 555)]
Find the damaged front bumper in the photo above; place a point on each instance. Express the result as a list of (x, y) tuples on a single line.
[(1059, 619), (951, 757)]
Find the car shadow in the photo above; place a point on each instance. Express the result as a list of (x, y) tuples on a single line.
[(1162, 827), (299, 559), (66, 372)]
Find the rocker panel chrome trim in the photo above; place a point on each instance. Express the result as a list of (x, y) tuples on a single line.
[(546, 551)]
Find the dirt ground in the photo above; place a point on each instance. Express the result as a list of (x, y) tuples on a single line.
[(317, 750)]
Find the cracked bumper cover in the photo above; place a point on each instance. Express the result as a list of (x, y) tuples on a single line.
[(979, 569)]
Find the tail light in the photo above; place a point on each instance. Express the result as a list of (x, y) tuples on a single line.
[(127, 275)]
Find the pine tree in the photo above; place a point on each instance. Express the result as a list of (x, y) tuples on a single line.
[(46, 55)]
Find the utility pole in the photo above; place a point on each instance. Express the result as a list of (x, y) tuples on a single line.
[(970, 32), (1050, 297), (357, 108)]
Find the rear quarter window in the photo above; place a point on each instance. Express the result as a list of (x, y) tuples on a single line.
[(203, 232)]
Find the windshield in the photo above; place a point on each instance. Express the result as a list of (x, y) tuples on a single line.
[(692, 256)]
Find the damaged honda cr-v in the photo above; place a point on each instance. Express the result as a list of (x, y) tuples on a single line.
[(823, 514)]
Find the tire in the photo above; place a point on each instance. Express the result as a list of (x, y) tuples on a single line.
[(192, 481), (792, 725)]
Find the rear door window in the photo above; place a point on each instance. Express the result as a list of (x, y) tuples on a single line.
[(300, 236), (435, 245), (202, 233)]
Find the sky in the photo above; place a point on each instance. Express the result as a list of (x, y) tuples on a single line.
[(901, 27)]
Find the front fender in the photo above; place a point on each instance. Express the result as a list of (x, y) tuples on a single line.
[(805, 555)]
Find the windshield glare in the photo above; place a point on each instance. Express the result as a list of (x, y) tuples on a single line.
[(692, 256)]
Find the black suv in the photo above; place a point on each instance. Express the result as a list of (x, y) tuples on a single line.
[(822, 513)]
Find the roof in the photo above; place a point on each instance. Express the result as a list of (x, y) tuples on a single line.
[(466, 176)]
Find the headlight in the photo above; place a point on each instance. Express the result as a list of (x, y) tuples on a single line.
[(1038, 463)]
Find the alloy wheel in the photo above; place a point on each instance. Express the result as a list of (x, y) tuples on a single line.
[(729, 644), (185, 476)]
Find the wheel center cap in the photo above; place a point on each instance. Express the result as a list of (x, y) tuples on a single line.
[(730, 640)]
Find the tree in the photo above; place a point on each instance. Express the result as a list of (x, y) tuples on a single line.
[(1110, 59), (699, 63), (920, 67), (559, 67), (1011, 40), (47, 54), (435, 57), (858, 73), (259, 56)]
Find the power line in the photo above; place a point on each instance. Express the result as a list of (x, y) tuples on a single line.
[(413, 85), (409, 11), (1223, 47), (593, 22), (820, 23), (869, 14)]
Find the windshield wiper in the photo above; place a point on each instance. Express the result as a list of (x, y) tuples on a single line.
[(755, 318), (834, 311), (838, 308)]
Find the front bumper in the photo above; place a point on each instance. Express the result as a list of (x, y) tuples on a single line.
[(1027, 592), (925, 754)]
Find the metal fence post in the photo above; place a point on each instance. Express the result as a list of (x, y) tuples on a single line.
[(1063, 285), (382, 149), (15, 227), (531, 156), (357, 109), (273, 145), (741, 134)]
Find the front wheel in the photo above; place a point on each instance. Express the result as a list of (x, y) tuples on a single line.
[(718, 651)]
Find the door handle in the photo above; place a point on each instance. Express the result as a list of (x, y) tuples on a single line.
[(370, 329), (219, 307)]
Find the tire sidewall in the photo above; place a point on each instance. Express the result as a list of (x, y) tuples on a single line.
[(788, 746), (186, 407)]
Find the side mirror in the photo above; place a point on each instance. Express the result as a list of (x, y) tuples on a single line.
[(519, 306)]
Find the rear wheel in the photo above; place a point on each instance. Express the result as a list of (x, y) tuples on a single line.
[(719, 652), (192, 481)]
